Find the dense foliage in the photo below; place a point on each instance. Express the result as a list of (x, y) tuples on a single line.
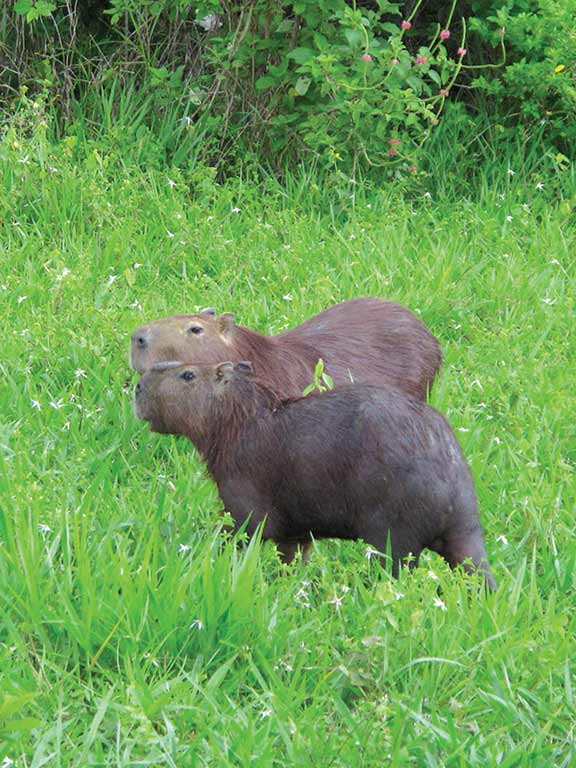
[(352, 85)]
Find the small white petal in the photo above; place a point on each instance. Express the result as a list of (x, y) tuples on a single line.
[(439, 603), (21, 299)]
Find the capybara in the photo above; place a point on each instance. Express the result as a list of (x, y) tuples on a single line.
[(366, 341), (362, 462)]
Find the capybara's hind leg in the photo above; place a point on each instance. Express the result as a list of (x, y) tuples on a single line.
[(288, 551), (467, 549)]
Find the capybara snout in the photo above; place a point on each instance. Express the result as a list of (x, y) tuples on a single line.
[(361, 462)]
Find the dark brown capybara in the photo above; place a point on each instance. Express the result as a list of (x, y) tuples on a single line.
[(365, 341), (362, 462)]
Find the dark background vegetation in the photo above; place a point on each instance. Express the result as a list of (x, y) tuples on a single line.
[(274, 83)]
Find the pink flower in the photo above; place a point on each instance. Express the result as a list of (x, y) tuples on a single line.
[(461, 51), (445, 34), (394, 142), (395, 61), (444, 92), (406, 24), (420, 59), (392, 152), (367, 57), (412, 168)]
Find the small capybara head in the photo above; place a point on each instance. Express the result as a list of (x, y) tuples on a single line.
[(181, 399), (182, 337)]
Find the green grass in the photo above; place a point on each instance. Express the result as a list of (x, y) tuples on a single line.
[(131, 631)]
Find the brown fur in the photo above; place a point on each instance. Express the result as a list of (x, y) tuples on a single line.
[(362, 462), (366, 341)]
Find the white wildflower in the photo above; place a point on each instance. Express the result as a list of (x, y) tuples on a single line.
[(136, 265), (66, 427), (80, 374), (511, 172), (370, 553), (462, 429), (235, 210), (25, 160), (187, 120), (266, 713), (7, 762), (432, 575), (43, 528), (111, 279), (197, 624), (21, 299), (509, 218), (56, 405), (287, 297), (439, 604), (539, 186), (502, 539), (170, 234), (36, 404), (336, 602), (183, 548), (171, 183)]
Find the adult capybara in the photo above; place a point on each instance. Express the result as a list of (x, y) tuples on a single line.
[(366, 341), (361, 462)]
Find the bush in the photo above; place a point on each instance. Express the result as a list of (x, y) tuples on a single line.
[(538, 84), (352, 85)]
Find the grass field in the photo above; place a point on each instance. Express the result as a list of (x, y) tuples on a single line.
[(131, 631)]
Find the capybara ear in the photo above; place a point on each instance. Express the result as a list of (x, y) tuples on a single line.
[(244, 367), (226, 323), (224, 371), (208, 311)]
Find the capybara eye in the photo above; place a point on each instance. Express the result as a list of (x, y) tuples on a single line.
[(188, 376), (195, 329), (141, 341)]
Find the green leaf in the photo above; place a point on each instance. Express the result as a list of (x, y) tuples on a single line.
[(302, 85), (301, 55), (22, 6), (265, 82)]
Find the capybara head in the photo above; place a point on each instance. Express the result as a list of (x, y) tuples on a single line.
[(182, 337), (182, 399)]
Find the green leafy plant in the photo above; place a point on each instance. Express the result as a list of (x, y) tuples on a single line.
[(321, 381)]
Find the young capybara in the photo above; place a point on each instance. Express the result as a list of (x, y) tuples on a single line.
[(362, 462), (366, 341)]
